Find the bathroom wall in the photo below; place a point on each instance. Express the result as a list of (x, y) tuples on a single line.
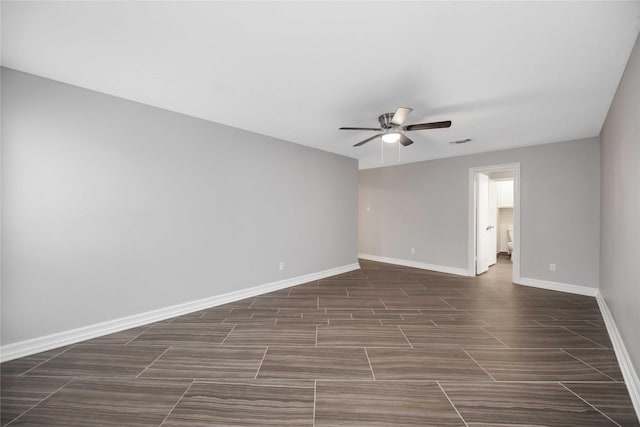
[(505, 221)]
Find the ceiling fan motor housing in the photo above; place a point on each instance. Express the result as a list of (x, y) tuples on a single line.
[(385, 121)]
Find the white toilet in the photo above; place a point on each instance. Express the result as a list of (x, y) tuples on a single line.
[(510, 241)]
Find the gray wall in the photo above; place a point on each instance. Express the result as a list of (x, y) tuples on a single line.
[(620, 209), (113, 208), (425, 205)]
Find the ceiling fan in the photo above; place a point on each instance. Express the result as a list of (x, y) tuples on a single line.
[(391, 127)]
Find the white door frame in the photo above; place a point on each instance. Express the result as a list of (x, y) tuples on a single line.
[(471, 245), (481, 188), (493, 222)]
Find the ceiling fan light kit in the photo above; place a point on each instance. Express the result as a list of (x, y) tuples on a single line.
[(391, 137), (392, 129)]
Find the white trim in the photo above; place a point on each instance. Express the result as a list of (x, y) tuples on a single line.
[(415, 264), (557, 286), (48, 342), (471, 226), (629, 374)]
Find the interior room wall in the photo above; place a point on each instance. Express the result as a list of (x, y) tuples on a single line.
[(113, 208), (424, 205), (620, 208)]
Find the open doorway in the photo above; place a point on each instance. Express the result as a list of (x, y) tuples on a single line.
[(494, 219)]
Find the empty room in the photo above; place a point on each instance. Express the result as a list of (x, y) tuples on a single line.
[(305, 213)]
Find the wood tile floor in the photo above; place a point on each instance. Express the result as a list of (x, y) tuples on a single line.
[(381, 346)]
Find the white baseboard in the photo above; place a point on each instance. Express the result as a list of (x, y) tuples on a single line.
[(629, 374), (48, 342), (416, 264), (557, 286)]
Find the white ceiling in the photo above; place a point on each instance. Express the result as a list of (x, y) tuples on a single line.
[(507, 74)]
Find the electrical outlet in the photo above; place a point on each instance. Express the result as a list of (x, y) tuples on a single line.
[(413, 250), (552, 267), (281, 266)]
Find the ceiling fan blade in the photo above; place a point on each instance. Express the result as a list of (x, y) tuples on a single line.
[(404, 140), (367, 140), (401, 115), (424, 126), (350, 128)]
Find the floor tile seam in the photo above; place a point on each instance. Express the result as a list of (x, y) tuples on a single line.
[(589, 326), (41, 401), (228, 334), (404, 335), (461, 293), (145, 330), (588, 339), (484, 328), (478, 363), (261, 362), (247, 382), (243, 380), (234, 322), (577, 304), (154, 361), (40, 376), (45, 361), (170, 379), (277, 345), (369, 360), (361, 380), (313, 420), (177, 402), (114, 377), (451, 403), (592, 406), (556, 381), (416, 347), (338, 379), (539, 348), (553, 327), (445, 301), (588, 364), (431, 381)]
